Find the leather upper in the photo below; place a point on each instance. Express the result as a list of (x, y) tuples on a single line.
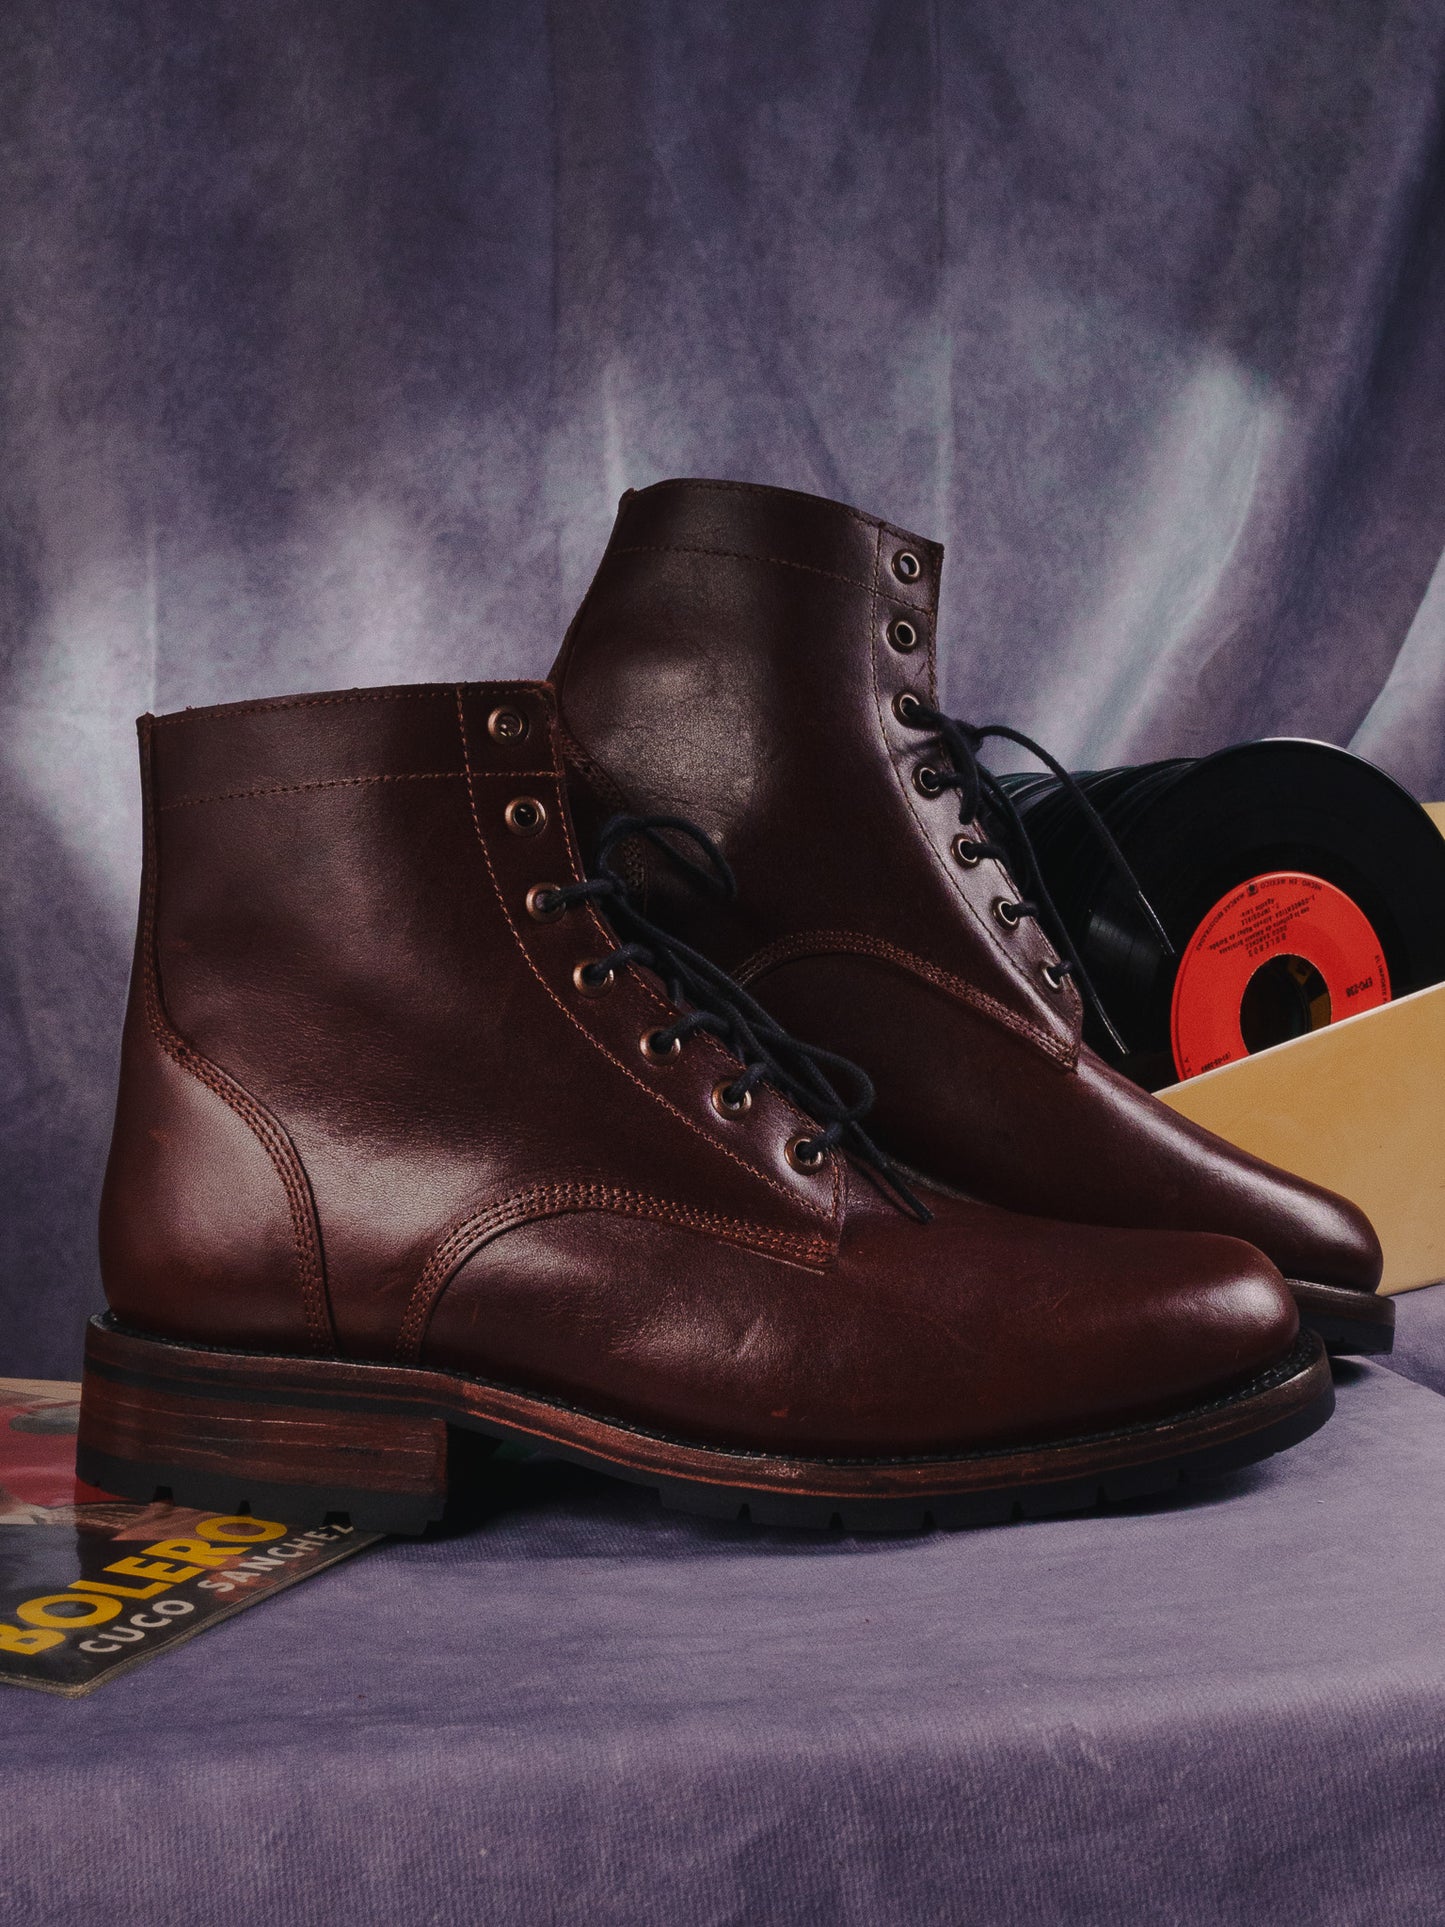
[(738, 659), (367, 1111)]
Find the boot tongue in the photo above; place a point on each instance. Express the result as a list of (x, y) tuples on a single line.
[(830, 1088)]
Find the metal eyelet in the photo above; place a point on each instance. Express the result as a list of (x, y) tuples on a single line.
[(1054, 975), (506, 725), (594, 986), (906, 566), (726, 1106), (967, 852), (805, 1156), (537, 905), (907, 708), (647, 1044), (903, 635), (525, 816), (1006, 912), (927, 781)]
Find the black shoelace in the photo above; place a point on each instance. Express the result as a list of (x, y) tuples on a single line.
[(982, 797), (710, 1001)]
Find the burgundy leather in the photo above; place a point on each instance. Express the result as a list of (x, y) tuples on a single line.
[(732, 661), (366, 1112)]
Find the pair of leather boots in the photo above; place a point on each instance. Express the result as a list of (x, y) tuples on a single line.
[(462, 1094)]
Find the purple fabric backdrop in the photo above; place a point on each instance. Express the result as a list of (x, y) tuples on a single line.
[(331, 334)]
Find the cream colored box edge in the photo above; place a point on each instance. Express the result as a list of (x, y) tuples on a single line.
[(1356, 1107)]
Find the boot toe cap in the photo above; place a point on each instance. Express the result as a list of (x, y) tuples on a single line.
[(1342, 1247), (1224, 1315)]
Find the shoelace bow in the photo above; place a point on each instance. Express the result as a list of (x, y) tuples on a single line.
[(710, 1001), (984, 798)]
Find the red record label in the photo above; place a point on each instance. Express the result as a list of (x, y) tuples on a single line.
[(1330, 965)]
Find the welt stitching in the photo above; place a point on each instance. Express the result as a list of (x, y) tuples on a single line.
[(263, 1127), (553, 1200), (735, 555), (596, 1042), (822, 942), (327, 783)]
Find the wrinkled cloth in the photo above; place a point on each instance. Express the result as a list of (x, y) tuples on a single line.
[(333, 332), (1420, 1337), (1226, 1710)]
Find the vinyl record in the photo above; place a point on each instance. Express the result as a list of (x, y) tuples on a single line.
[(1297, 884)]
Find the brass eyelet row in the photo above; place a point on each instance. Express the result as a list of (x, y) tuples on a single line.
[(908, 708), (594, 977)]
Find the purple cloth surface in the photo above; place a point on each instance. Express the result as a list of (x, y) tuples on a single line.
[(1420, 1336), (332, 332), (1225, 1711)]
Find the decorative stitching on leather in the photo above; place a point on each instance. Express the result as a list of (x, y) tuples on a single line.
[(287, 1165), (588, 767), (583, 768), (657, 1096), (823, 943), (327, 783), (424, 692), (766, 488), (554, 1200), (512, 775), (734, 555)]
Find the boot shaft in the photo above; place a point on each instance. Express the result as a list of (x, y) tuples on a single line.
[(354, 1050), (745, 655)]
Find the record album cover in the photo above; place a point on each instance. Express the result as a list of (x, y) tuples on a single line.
[(90, 1584)]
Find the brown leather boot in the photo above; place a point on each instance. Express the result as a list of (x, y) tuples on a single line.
[(411, 1138), (764, 661)]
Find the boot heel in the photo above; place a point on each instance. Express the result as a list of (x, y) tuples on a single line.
[(284, 1439)]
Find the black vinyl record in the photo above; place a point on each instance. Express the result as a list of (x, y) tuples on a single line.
[(1297, 883)]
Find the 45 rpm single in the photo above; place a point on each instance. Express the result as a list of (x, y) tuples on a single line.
[(1350, 868), (1281, 953)]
